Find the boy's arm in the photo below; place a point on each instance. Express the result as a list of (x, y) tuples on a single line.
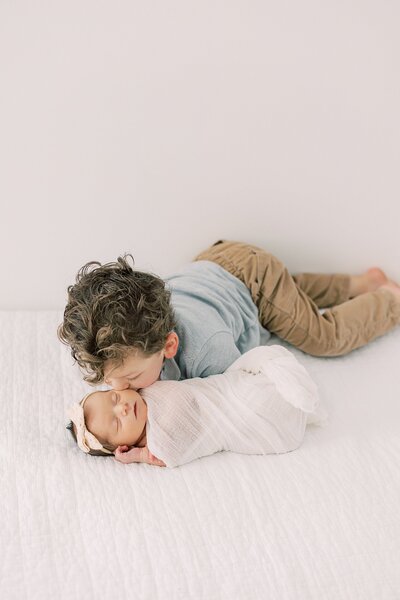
[(217, 354), (261, 358), (136, 454)]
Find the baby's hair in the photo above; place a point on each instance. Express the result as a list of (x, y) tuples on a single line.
[(111, 310), (71, 428)]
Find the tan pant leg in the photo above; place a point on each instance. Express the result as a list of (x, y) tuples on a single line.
[(324, 290), (286, 310)]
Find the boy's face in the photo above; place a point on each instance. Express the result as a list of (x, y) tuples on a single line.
[(116, 417), (139, 371)]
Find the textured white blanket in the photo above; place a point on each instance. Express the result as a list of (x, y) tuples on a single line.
[(320, 523)]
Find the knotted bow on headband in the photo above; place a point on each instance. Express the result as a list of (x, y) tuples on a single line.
[(86, 440)]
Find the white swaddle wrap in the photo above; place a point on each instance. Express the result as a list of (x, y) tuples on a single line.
[(260, 405)]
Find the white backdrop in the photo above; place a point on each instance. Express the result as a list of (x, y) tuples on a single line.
[(158, 127)]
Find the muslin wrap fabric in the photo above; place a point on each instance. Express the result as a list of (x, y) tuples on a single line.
[(260, 405)]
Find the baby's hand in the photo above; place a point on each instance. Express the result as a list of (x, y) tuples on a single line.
[(136, 454)]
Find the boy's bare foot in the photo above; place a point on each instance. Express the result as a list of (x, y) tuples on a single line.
[(392, 286), (369, 281)]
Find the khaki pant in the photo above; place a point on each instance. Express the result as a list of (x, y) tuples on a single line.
[(288, 305)]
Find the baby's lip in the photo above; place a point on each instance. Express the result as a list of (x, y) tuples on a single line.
[(134, 409)]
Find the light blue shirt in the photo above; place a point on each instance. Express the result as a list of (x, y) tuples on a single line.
[(216, 317)]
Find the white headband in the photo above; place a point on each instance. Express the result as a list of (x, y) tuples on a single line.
[(86, 440)]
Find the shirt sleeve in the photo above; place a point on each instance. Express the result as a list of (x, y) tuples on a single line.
[(259, 359), (217, 354)]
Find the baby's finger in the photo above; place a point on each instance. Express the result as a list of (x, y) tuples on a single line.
[(155, 461), (121, 455), (123, 448)]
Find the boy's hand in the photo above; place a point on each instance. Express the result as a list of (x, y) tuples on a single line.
[(136, 454)]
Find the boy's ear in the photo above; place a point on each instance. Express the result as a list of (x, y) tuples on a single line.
[(171, 345)]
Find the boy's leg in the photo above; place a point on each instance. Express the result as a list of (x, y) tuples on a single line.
[(324, 290), (331, 290), (286, 310)]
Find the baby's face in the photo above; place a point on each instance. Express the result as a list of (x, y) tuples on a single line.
[(116, 417)]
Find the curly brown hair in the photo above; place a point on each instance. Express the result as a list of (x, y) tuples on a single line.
[(111, 310)]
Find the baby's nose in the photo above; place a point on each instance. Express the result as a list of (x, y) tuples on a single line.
[(124, 408)]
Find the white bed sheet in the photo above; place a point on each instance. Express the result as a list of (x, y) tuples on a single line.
[(322, 522)]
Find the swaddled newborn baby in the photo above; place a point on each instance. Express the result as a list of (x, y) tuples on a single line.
[(260, 405)]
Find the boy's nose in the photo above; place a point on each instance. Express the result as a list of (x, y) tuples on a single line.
[(117, 384)]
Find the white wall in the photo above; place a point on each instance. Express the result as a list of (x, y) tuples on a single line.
[(158, 127)]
